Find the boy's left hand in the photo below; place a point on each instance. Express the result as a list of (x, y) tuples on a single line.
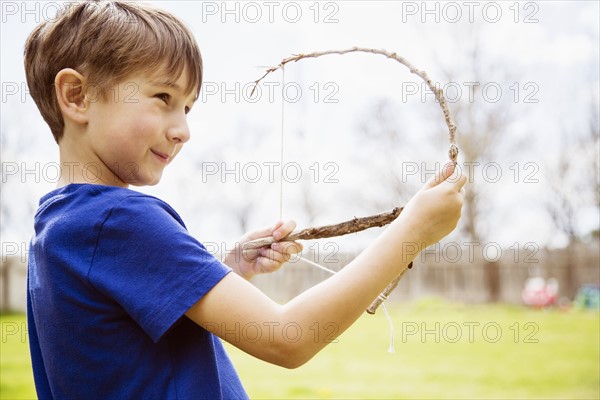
[(248, 263)]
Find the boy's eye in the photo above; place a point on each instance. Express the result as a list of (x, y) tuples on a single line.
[(164, 97)]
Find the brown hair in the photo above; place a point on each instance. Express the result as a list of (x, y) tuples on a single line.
[(106, 41)]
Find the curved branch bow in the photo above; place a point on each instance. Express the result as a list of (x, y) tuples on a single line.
[(359, 224)]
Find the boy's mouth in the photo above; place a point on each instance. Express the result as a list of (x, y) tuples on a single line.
[(163, 157)]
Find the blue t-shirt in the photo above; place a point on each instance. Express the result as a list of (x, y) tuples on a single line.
[(111, 274)]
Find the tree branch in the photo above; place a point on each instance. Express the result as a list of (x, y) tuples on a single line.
[(386, 292)]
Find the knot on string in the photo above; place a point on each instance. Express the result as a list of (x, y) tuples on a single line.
[(453, 152)]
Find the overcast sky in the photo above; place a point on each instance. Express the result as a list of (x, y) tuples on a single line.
[(550, 49)]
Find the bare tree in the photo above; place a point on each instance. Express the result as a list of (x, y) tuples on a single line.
[(482, 124), (482, 120), (592, 139), (386, 138), (573, 186)]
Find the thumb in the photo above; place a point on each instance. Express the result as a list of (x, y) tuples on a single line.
[(441, 176)]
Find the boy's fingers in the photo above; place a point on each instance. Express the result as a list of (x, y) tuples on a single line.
[(267, 264), (264, 232), (441, 176), (273, 255), (278, 231), (284, 229), (288, 248), (460, 185), (457, 181)]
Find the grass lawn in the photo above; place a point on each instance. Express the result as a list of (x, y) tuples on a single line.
[(16, 379), (442, 351)]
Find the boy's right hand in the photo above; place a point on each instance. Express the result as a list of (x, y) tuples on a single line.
[(434, 211)]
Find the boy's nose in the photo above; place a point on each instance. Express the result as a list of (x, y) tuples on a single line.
[(179, 133)]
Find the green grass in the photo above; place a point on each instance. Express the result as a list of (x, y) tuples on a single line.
[(522, 353), (16, 379)]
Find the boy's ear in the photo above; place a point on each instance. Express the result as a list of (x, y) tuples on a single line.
[(70, 88)]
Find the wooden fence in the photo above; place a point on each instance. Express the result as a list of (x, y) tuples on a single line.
[(462, 280), (437, 274)]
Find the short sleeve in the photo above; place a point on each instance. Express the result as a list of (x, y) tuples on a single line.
[(147, 262)]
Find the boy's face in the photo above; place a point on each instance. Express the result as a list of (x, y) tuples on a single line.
[(139, 128)]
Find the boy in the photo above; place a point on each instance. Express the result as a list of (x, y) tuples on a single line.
[(122, 301)]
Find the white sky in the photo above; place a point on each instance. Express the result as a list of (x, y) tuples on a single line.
[(557, 51)]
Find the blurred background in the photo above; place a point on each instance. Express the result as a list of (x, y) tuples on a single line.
[(506, 307)]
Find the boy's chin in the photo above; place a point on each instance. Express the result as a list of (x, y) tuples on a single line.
[(147, 181)]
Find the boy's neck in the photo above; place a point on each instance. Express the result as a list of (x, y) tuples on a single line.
[(78, 164)]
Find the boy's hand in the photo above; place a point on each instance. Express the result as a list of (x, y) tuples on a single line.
[(248, 263), (434, 211)]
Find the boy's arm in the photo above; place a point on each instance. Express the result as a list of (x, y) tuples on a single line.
[(290, 334)]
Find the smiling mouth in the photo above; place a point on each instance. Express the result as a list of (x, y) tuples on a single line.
[(161, 156)]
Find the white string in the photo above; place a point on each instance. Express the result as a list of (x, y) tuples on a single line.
[(391, 349), (314, 264), (281, 142)]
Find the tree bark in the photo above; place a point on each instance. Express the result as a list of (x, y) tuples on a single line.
[(327, 231)]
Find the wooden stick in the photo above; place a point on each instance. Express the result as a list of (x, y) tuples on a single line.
[(386, 292), (327, 231)]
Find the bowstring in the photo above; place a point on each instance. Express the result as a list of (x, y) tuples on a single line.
[(281, 147)]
